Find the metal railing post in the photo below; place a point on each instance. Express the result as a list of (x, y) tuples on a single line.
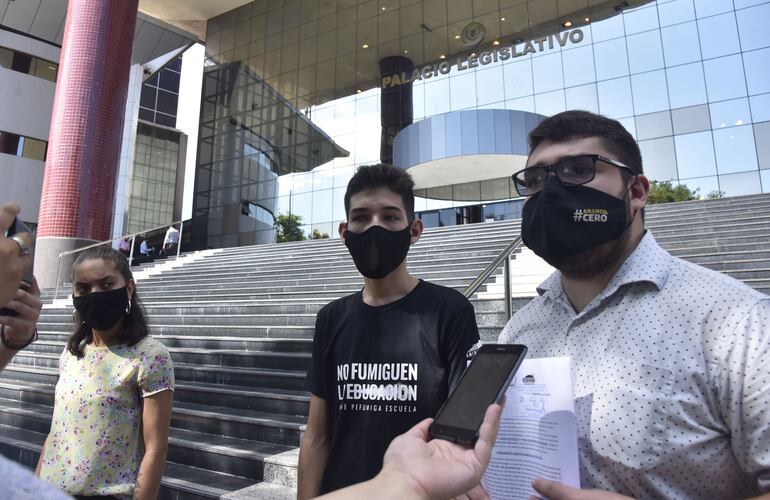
[(179, 243), (507, 284), (58, 279), (131, 252)]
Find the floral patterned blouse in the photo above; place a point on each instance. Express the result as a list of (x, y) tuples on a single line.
[(95, 444)]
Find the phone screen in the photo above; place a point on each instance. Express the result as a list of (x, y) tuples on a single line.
[(485, 378)]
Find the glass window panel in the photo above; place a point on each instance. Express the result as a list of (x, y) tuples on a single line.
[(752, 27), (762, 140), (6, 58), (735, 151), (680, 44), (322, 206), (34, 149), (167, 102), (169, 80), (730, 113), (718, 36), (659, 159), (650, 93), (607, 29), (521, 104), (418, 102), (705, 8), (547, 72), (147, 98), (740, 184), (695, 155), (686, 85), (724, 78), (676, 12), (518, 79), (21, 62), (645, 52), (488, 85), (611, 59), (692, 119), (463, 91), (764, 176), (578, 66), (550, 103), (338, 204), (45, 69), (583, 97), (757, 70), (642, 19), (495, 189), (9, 143), (615, 98), (653, 125), (436, 96), (702, 185), (469, 191)]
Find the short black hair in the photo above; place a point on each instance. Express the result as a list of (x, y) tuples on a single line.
[(135, 326), (578, 124), (382, 175)]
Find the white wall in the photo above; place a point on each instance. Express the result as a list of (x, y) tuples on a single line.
[(26, 103)]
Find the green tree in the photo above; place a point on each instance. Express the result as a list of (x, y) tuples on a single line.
[(288, 227), (665, 192), (318, 235), (715, 194)]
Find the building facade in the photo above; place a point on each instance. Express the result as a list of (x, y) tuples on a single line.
[(28, 69), (688, 78)]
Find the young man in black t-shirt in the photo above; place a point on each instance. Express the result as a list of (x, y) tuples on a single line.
[(383, 358)]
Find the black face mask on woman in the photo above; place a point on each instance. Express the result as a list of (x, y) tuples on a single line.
[(101, 310), (562, 221), (377, 252)]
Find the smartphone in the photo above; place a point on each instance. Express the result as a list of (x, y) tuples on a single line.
[(27, 275), (484, 382)]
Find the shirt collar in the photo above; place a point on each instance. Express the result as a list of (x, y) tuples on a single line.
[(647, 263)]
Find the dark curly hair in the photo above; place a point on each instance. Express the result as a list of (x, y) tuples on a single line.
[(134, 327), (382, 175)]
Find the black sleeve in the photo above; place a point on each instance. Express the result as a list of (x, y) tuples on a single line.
[(315, 380), (461, 334)]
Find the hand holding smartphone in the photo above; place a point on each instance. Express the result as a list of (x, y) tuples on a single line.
[(17, 227), (484, 382)]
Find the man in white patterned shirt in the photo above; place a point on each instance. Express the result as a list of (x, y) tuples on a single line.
[(670, 361)]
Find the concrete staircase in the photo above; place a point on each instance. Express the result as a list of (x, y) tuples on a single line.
[(239, 325)]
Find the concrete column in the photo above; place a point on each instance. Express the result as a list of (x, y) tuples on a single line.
[(396, 105), (84, 144)]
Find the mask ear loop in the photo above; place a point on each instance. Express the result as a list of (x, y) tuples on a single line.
[(128, 307), (625, 195)]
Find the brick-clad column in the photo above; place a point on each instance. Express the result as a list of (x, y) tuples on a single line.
[(86, 127)]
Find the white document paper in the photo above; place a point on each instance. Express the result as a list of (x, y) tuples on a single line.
[(538, 432)]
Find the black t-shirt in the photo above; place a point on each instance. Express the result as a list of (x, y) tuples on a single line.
[(383, 369)]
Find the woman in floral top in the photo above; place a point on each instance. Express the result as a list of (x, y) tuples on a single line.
[(111, 416)]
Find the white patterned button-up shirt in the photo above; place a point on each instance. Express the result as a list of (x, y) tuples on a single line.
[(671, 376)]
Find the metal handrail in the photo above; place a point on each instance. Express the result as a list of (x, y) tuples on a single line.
[(130, 255), (503, 257)]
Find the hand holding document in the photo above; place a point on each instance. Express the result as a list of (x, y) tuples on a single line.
[(538, 432)]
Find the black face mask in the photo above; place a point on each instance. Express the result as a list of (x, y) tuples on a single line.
[(377, 252), (101, 310), (563, 221)]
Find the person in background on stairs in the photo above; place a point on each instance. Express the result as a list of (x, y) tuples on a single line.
[(386, 357), (171, 240), (670, 360), (112, 411), (16, 333)]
